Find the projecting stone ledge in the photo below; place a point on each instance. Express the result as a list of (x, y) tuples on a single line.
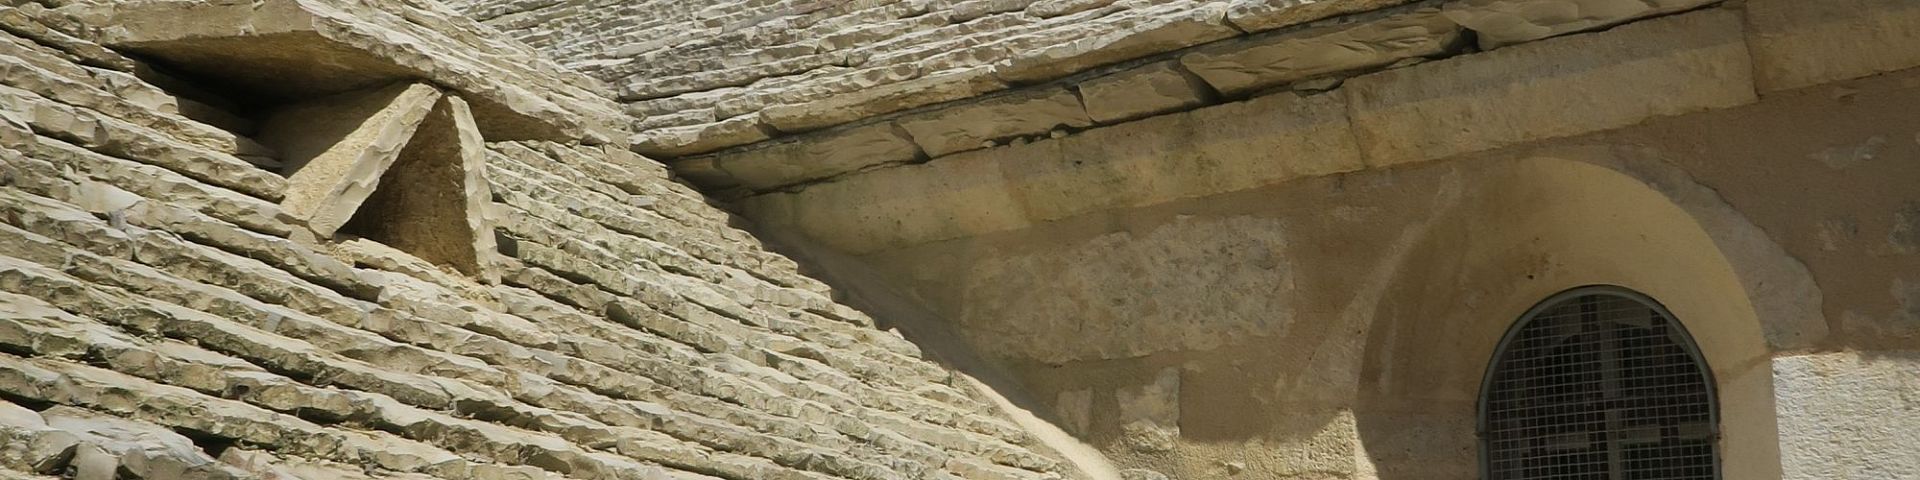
[(299, 49)]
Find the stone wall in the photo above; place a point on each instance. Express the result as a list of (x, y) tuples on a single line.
[(1307, 282), (460, 295)]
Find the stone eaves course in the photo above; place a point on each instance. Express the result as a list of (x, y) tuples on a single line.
[(162, 315), (724, 87)]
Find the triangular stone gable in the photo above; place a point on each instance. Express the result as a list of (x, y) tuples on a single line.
[(435, 196)]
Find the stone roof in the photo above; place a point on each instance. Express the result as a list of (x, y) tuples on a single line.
[(162, 315)]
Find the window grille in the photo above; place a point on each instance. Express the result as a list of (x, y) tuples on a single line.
[(1598, 383)]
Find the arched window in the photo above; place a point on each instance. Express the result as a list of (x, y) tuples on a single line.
[(1598, 383)]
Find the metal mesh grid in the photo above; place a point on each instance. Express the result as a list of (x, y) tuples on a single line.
[(1598, 384)]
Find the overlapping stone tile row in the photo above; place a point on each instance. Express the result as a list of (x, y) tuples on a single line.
[(158, 318), (706, 76)]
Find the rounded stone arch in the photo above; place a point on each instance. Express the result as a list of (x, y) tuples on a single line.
[(1520, 231)]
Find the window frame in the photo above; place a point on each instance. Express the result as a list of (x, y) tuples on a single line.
[(1679, 330)]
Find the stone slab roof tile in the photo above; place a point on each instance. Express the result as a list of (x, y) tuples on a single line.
[(154, 290)]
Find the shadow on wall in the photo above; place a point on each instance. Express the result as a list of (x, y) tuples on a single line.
[(1528, 229), (870, 291), (1406, 304)]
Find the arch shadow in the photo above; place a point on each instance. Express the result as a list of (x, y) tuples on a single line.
[(1532, 227)]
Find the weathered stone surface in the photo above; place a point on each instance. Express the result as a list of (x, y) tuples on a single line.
[(1124, 36), (911, 197), (696, 139), (1189, 154), (1144, 91), (337, 148), (1660, 67), (1799, 44), (1055, 8), (144, 450), (1847, 414), (435, 202), (118, 138), (304, 49), (1215, 150), (971, 126), (1262, 15), (1499, 23), (1245, 65), (927, 90), (820, 156)]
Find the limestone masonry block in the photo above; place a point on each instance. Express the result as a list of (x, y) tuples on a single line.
[(968, 126), (1660, 67), (1798, 44), (1148, 90), (336, 148), (927, 90), (1203, 152), (817, 156), (1506, 22), (898, 206), (433, 201), (1128, 35), (1246, 65)]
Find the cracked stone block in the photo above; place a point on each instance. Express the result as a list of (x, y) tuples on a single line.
[(1505, 22), (1262, 15), (1149, 90), (337, 148), (436, 195), (1129, 35), (816, 156), (967, 127), (1247, 65)]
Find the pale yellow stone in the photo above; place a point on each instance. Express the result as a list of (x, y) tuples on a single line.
[(335, 149), (1803, 43), (1148, 90), (1505, 22), (1552, 88), (815, 156), (1246, 65)]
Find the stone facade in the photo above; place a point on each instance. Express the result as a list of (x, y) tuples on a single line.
[(1100, 239)]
